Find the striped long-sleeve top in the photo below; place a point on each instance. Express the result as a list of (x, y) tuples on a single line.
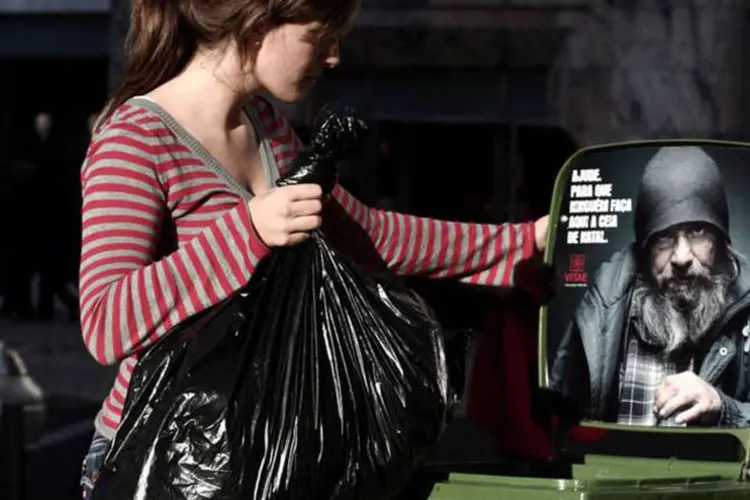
[(167, 233)]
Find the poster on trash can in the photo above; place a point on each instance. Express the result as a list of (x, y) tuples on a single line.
[(650, 323)]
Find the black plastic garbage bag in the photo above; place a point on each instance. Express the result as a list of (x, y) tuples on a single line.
[(319, 381)]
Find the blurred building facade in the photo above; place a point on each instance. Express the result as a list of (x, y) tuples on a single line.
[(593, 70), (53, 59)]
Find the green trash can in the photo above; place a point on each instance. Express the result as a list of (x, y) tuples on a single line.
[(606, 476), (475, 487), (632, 223)]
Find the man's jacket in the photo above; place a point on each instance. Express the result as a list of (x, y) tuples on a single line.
[(587, 364)]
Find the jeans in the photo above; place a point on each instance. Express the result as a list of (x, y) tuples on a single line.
[(92, 463)]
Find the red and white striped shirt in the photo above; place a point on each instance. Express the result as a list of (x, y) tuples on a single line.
[(166, 235)]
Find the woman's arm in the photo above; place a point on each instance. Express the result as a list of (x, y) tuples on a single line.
[(479, 254), (129, 299)]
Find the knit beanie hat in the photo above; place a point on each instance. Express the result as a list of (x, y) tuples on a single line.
[(680, 184)]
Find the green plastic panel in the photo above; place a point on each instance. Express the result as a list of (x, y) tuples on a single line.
[(612, 466), (468, 487)]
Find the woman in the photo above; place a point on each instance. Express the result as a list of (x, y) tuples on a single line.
[(178, 199)]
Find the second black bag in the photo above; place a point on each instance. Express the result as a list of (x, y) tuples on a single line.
[(319, 381)]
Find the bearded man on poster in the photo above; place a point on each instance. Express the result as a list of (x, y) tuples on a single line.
[(661, 337)]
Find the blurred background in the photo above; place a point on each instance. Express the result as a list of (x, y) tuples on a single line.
[(475, 105)]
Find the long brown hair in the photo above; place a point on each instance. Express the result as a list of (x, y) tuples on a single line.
[(165, 34)]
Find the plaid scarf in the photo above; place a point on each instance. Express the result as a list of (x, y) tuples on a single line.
[(641, 373)]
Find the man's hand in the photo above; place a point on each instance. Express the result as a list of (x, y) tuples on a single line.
[(687, 392)]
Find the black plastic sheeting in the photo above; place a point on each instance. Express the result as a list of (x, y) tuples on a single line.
[(318, 380)]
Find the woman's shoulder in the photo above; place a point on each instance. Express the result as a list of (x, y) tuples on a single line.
[(128, 118), (274, 121), (131, 138), (262, 108), (131, 127), (278, 128)]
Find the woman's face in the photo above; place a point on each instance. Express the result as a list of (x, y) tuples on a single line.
[(291, 58)]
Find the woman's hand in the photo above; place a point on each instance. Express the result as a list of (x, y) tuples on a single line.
[(540, 232), (285, 216)]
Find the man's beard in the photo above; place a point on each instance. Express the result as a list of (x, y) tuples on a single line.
[(679, 312)]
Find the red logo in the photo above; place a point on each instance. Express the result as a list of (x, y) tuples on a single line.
[(577, 263), (577, 274)]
